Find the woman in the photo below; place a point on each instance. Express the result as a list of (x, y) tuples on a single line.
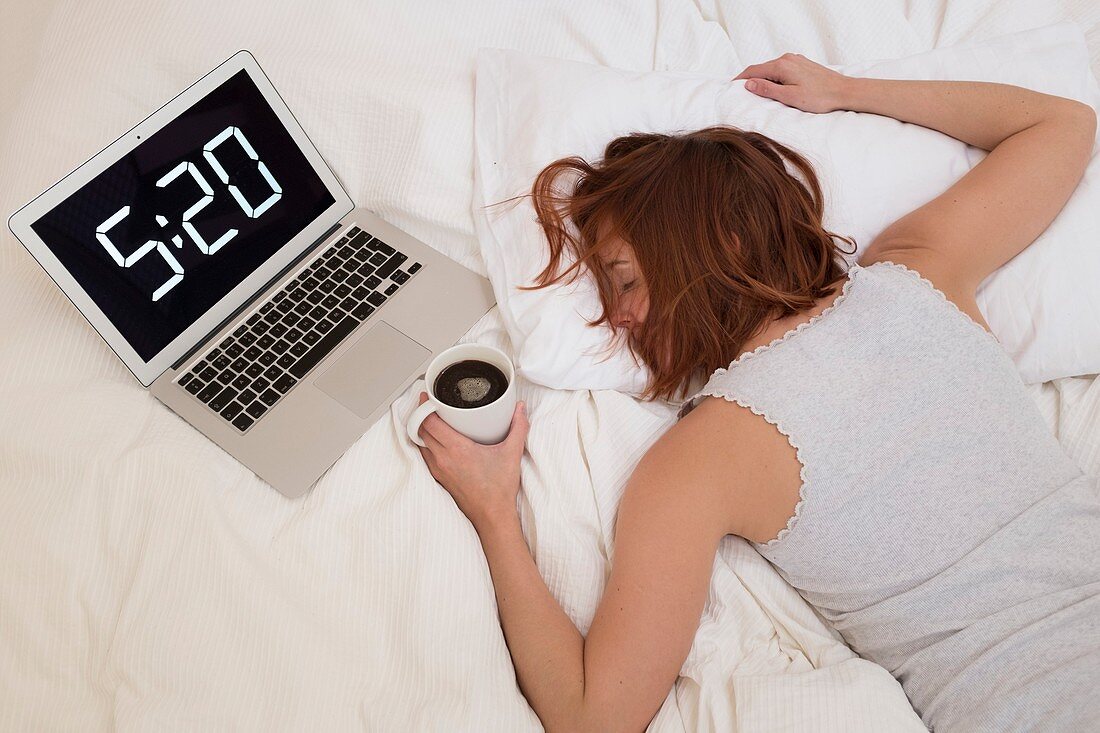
[(872, 440)]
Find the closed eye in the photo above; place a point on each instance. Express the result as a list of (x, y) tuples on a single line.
[(629, 285)]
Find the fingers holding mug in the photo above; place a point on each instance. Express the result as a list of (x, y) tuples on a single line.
[(434, 430)]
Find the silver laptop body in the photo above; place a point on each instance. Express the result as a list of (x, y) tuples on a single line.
[(316, 315)]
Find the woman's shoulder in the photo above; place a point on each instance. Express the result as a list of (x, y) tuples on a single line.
[(923, 266)]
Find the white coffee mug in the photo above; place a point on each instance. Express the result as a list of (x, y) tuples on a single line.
[(487, 424)]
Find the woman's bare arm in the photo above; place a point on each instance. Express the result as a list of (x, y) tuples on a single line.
[(1039, 146), (676, 508), (982, 114)]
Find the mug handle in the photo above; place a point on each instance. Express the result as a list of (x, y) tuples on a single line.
[(419, 415)]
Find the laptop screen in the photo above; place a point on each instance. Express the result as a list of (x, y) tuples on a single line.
[(167, 231)]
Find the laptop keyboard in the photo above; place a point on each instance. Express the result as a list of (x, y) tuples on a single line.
[(247, 374)]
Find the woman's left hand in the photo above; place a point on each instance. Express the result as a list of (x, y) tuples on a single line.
[(482, 479)]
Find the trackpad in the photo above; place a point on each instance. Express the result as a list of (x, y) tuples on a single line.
[(369, 372)]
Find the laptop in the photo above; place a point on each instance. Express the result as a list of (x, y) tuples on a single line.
[(218, 255)]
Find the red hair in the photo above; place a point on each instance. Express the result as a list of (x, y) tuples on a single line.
[(727, 240)]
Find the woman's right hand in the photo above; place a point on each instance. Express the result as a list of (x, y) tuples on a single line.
[(797, 82)]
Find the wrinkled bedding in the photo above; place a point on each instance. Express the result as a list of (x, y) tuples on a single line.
[(149, 581)]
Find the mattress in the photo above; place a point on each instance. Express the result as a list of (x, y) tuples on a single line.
[(149, 581)]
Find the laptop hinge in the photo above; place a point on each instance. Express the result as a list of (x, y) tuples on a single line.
[(245, 305)]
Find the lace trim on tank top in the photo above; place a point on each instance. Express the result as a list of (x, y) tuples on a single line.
[(920, 278), (730, 397)]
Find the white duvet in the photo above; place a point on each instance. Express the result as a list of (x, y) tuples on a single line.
[(148, 581)]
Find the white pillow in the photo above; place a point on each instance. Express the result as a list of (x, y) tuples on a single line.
[(1043, 306)]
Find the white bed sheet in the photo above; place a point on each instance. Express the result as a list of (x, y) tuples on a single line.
[(148, 581)]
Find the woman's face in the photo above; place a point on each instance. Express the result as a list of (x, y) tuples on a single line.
[(626, 278)]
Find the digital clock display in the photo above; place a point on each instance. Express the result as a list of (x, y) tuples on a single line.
[(162, 235)]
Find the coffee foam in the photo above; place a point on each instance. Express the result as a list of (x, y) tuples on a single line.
[(472, 389)]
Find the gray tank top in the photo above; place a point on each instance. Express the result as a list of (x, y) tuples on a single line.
[(941, 527)]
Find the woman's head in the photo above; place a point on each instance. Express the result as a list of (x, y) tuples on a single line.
[(696, 242)]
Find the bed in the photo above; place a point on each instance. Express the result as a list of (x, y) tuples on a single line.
[(149, 581)]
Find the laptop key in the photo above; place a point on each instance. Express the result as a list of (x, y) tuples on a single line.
[(240, 331), (185, 379), (339, 275), (413, 267), (303, 307), (354, 279), (273, 372), (208, 373), (261, 328), (284, 306), (348, 303), (280, 346), (247, 339), (231, 410), (376, 298), (359, 293), (291, 318), (214, 354), (209, 392), (311, 338), (265, 341), (246, 396), (270, 397), (362, 310), (221, 362), (327, 286), (372, 282), (267, 358), (318, 313), (254, 370), (399, 277), (234, 350), (241, 382), (330, 302), (253, 319), (315, 297), (299, 348), (266, 307), (226, 376), (256, 409), (325, 326), (240, 365), (306, 323), (195, 386), (253, 353), (284, 383), (277, 330), (321, 349), (297, 294), (378, 258), (391, 264), (286, 361), (243, 422), (392, 289), (382, 247), (222, 399), (293, 335), (260, 384)]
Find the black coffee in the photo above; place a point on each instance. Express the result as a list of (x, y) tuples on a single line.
[(470, 383)]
